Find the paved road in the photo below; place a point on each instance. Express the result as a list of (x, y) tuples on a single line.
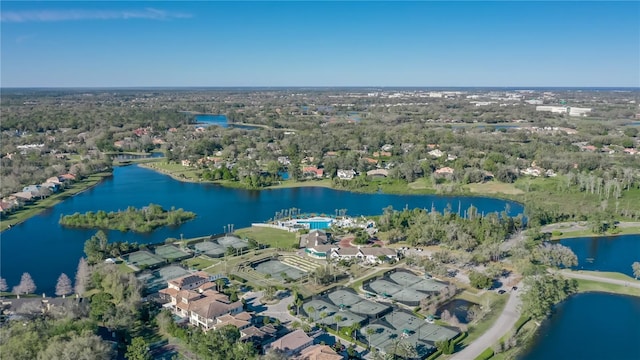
[(504, 324), (577, 275)]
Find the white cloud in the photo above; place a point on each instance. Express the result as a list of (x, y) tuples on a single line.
[(70, 15)]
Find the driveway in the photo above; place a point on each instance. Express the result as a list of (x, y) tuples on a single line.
[(277, 311), (504, 324)]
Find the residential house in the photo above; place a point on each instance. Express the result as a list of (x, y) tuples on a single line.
[(191, 281), (258, 336), (292, 343), (319, 352), (436, 153), (445, 171), (346, 174), (202, 307), (185, 162), (312, 171), (381, 154), (24, 196), (67, 177), (378, 173)]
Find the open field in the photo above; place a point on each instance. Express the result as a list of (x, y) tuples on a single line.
[(588, 286), (41, 205), (273, 237), (296, 184), (494, 187), (200, 262)]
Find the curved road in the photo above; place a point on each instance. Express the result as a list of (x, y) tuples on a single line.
[(511, 314), (504, 324)]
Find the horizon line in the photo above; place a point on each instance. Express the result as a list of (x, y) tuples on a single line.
[(324, 87)]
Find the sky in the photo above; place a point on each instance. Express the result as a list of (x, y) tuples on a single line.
[(303, 43)]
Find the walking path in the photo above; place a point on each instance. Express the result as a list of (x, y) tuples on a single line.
[(504, 324)]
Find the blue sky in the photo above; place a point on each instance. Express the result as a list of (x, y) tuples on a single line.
[(132, 44)]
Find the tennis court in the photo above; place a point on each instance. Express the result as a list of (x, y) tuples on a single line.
[(143, 259), (171, 253), (157, 279), (415, 282), (404, 287), (233, 241), (330, 312), (276, 268), (210, 248), (410, 329)]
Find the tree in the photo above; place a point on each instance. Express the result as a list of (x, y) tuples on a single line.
[(86, 346), (446, 346), (636, 269), (83, 276), (26, 286), (337, 318), (138, 350), (544, 291), (311, 310), (370, 331), (63, 287), (479, 280)]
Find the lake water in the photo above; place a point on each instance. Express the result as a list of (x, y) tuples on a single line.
[(219, 120), (45, 249), (614, 253), (590, 326)]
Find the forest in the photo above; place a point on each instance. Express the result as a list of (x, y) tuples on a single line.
[(141, 220)]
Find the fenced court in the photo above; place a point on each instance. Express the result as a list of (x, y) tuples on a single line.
[(171, 253), (409, 328), (143, 259), (157, 279), (325, 313), (210, 248), (404, 287), (233, 241), (276, 268)]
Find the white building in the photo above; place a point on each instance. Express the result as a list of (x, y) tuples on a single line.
[(575, 111), (553, 109)]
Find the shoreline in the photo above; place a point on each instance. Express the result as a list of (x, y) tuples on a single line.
[(60, 198), (326, 183)]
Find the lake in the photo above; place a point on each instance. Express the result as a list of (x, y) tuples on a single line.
[(219, 120), (610, 253), (590, 326), (45, 249)]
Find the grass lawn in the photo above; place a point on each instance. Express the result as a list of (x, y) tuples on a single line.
[(273, 237), (608, 275), (41, 205), (479, 328), (295, 184), (200, 262), (494, 187), (588, 286), (123, 268), (589, 233)]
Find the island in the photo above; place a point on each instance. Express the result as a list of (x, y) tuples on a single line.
[(141, 220)]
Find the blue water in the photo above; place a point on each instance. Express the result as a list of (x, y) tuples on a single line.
[(615, 253), (43, 248), (207, 120), (590, 326)]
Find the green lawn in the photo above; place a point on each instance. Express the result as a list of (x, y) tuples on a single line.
[(608, 275), (588, 286), (479, 328), (308, 183), (273, 237), (200, 262), (41, 205), (589, 233)]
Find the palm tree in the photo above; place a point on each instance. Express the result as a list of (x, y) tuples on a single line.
[(370, 331), (338, 318), (310, 311), (354, 330)]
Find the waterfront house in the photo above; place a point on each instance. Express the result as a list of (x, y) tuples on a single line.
[(292, 343), (319, 352), (346, 174)]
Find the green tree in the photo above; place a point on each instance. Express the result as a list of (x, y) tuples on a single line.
[(479, 280), (138, 350), (636, 269), (446, 346)]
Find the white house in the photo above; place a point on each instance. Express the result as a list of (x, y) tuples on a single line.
[(346, 174)]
